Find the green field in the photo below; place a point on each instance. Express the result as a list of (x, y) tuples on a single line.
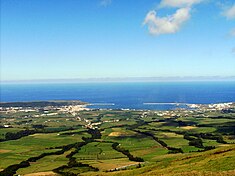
[(117, 142)]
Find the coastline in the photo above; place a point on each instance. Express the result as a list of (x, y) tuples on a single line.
[(77, 105)]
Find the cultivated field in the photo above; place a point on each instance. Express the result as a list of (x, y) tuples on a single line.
[(70, 140)]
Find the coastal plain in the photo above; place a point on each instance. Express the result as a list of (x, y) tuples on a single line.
[(67, 138)]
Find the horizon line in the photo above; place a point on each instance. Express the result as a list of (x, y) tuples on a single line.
[(125, 79)]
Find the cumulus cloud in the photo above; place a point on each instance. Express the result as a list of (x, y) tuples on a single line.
[(173, 23), (166, 25), (179, 3), (229, 13), (105, 3)]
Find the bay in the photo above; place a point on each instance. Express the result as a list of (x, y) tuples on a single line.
[(139, 95)]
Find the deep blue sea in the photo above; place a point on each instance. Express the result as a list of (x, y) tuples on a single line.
[(124, 95)]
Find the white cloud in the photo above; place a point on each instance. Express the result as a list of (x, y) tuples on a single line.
[(179, 3), (173, 23), (166, 25), (230, 12), (105, 3)]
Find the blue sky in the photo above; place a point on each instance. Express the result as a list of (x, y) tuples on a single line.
[(67, 39)]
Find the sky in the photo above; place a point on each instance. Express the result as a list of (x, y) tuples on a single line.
[(69, 39)]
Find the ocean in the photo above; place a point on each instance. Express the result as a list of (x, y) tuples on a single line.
[(140, 95)]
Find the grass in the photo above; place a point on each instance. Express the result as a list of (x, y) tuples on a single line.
[(215, 162), (203, 130), (138, 145), (3, 131), (33, 145), (100, 153), (175, 140), (47, 163), (106, 165)]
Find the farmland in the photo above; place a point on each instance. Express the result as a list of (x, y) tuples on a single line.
[(69, 139)]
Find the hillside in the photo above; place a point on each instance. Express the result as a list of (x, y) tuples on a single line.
[(73, 140)]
